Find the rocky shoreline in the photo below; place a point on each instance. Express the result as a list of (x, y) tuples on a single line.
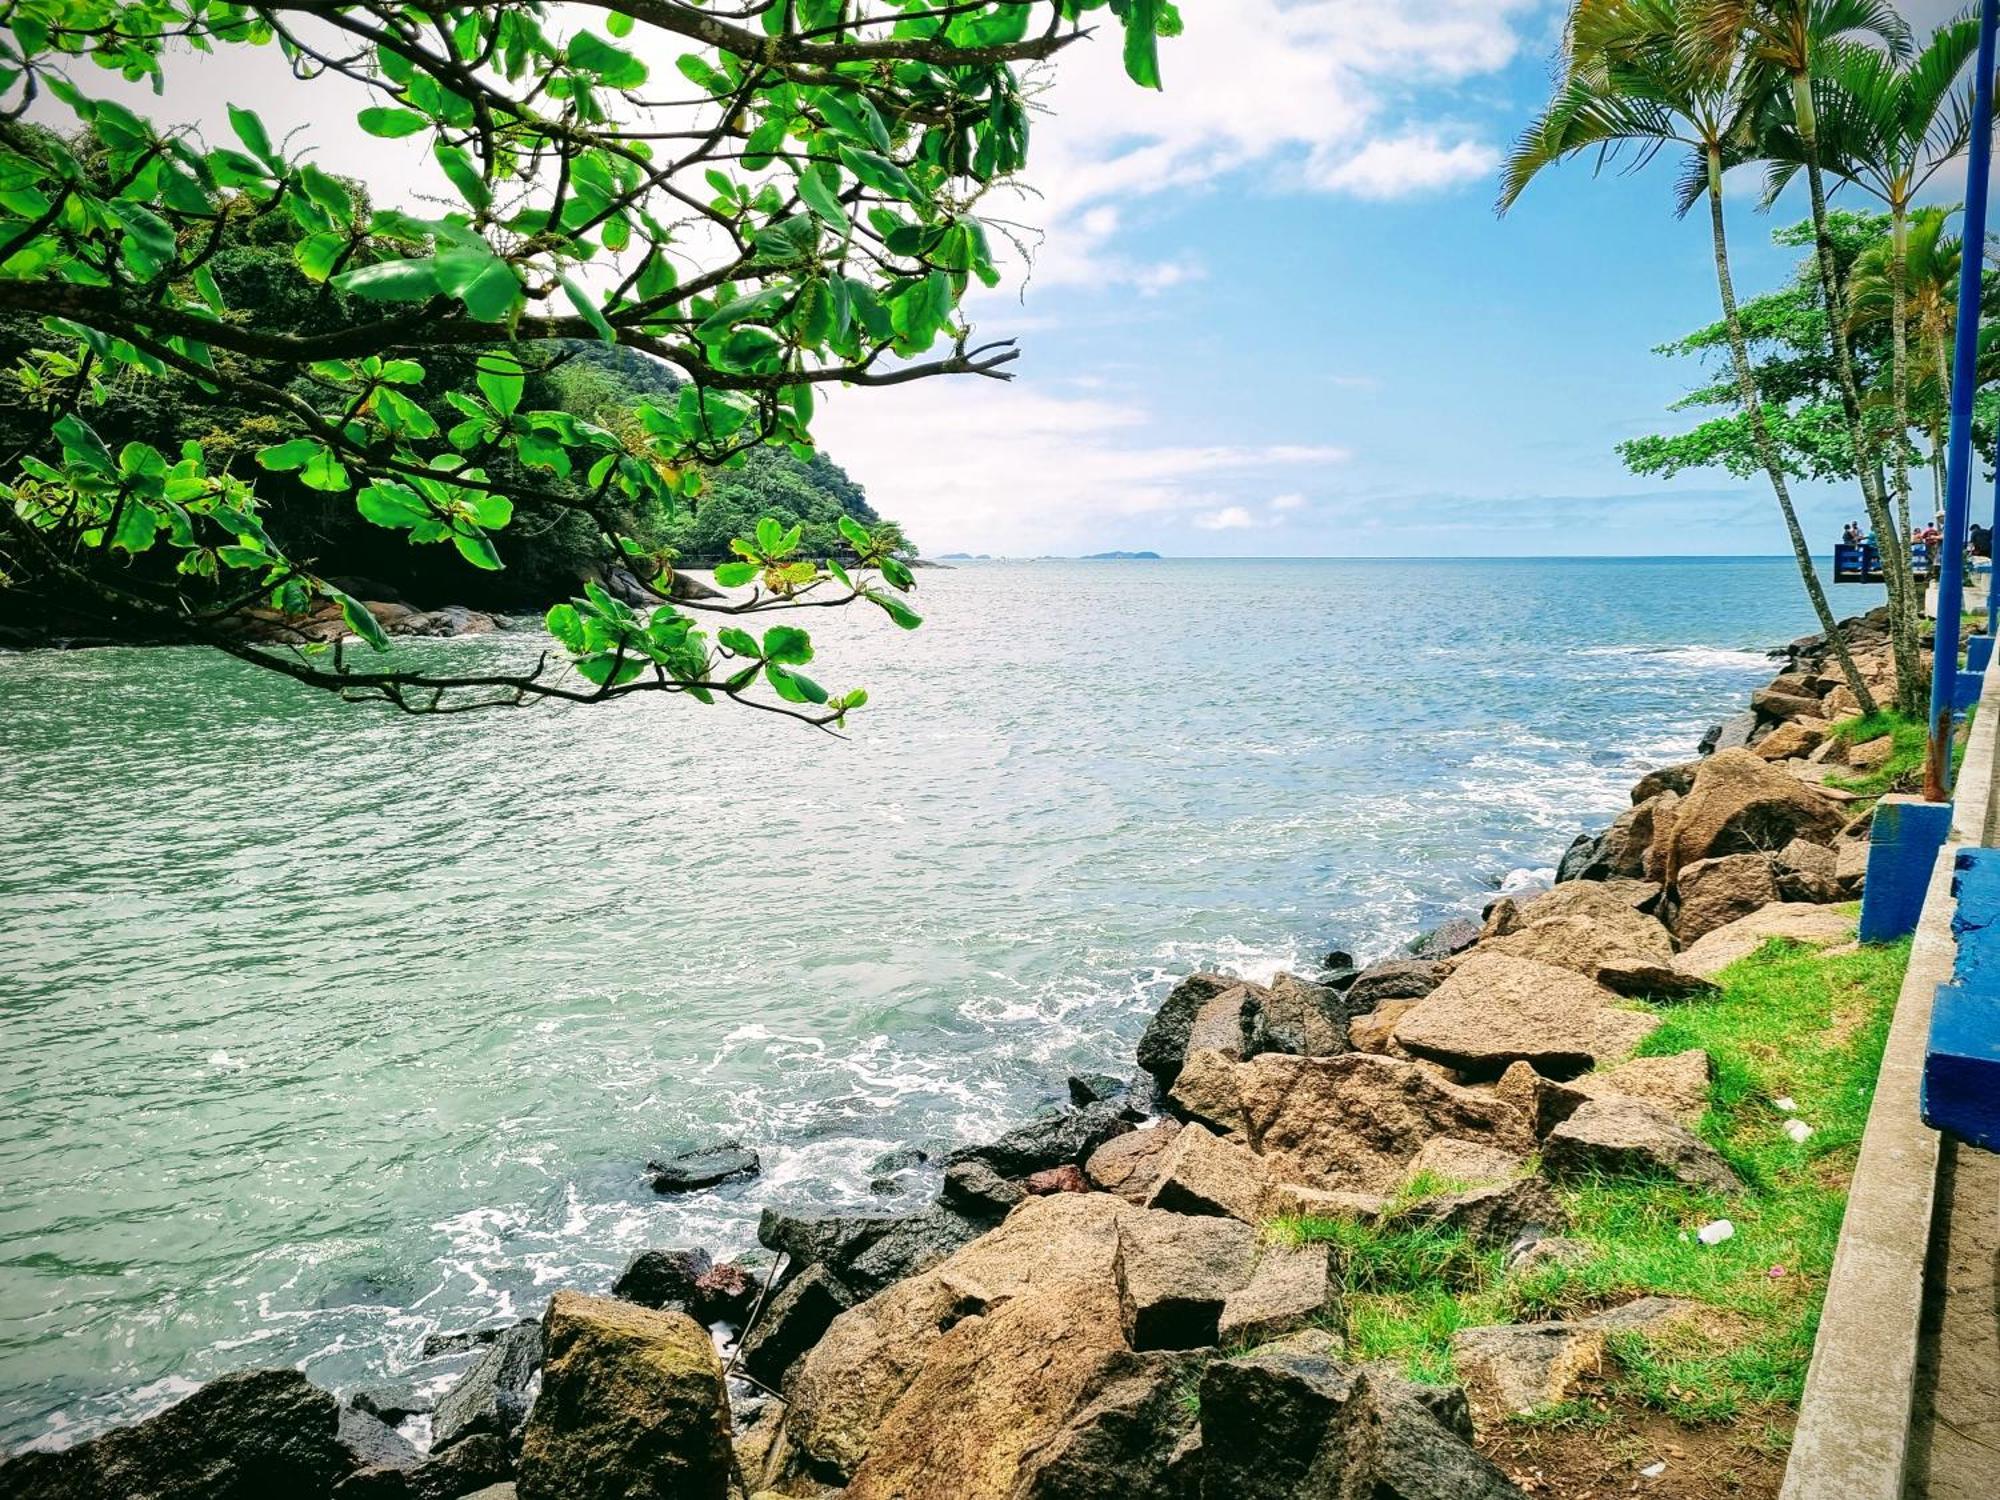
[(1096, 1304)]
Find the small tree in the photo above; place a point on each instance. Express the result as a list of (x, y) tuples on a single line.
[(797, 207)]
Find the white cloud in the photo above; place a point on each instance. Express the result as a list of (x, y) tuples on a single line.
[(1229, 518), (1316, 93), (1400, 166), (1289, 502), (978, 466)]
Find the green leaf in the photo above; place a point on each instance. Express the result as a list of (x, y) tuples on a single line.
[(819, 186), (896, 573), (587, 309), (855, 533), (618, 23), (316, 254), (482, 281), (878, 172), (615, 68), (895, 609), (566, 626), (733, 575), (324, 472), (391, 280), (793, 687), (737, 641), (327, 191), (770, 535), (502, 380), (788, 645), (359, 620), (250, 131), (288, 456), (477, 550), (391, 124), (458, 166), (387, 503), (1142, 45)]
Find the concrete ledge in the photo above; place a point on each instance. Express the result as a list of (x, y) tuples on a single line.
[(1853, 1440)]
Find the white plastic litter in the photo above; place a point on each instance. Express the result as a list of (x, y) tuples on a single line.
[(1653, 1471), (1715, 1233), (1787, 1103), (1798, 1130)]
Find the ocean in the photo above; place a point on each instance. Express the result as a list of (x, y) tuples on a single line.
[(327, 1029)]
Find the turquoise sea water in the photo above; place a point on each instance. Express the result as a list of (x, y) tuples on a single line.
[(325, 1029)]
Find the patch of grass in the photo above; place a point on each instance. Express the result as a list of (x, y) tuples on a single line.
[(1905, 761), (1868, 727), (1788, 1022)]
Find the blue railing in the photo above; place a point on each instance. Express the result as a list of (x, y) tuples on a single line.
[(1861, 562)]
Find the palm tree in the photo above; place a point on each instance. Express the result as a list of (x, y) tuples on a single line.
[(1781, 43), (1888, 127), (1633, 85), (1914, 287)]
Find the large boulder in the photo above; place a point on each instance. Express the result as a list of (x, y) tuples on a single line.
[(866, 1253), (1620, 852), (1795, 922), (1808, 872), (249, 1436), (1446, 940), (1174, 1273), (868, 1357), (1128, 1165), (1495, 1213), (469, 1465), (1677, 1084), (632, 1406), (1604, 900), (1354, 1123), (1740, 804), (1618, 1136), (1126, 1439), (793, 1321), (1203, 1174), (1794, 738), (1164, 1046), (1308, 1020), (1496, 1010), (1676, 779), (663, 1278), (1715, 892), (711, 1166), (1627, 945), (1515, 1368), (1290, 1421), (1290, 1288), (997, 1387)]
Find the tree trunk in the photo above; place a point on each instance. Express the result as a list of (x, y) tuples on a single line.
[(1899, 359), (1905, 592), (1767, 450)]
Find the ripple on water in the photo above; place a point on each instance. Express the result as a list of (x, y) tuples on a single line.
[(329, 1030)]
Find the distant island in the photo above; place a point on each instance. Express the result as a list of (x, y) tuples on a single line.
[(1121, 557), (965, 557)]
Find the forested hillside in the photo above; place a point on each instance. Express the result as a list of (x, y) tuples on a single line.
[(256, 270)]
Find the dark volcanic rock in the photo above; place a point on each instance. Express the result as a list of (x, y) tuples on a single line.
[(1052, 1141), (391, 1403), (662, 1278), (1446, 939), (251, 1436), (868, 1253), (1095, 1088), (1580, 855), (1163, 1048), (465, 1468), (690, 1171), (372, 1443), (1291, 1422), (792, 1322), (492, 1396), (725, 1293), (974, 1188), (1393, 979)]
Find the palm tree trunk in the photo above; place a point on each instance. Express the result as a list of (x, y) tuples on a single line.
[(1905, 594), (1767, 450), (1899, 359)]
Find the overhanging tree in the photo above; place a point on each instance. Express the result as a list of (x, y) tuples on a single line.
[(798, 205)]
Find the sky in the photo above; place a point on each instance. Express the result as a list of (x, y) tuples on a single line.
[(1270, 310)]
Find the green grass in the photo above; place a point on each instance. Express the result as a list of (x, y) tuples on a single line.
[(1788, 1022), (1904, 769)]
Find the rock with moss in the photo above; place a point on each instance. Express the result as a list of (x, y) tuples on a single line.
[(632, 1406)]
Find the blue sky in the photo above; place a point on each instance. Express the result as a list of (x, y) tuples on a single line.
[(1270, 311), (1319, 340)]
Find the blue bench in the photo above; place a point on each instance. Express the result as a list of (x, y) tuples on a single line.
[(1961, 1089)]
